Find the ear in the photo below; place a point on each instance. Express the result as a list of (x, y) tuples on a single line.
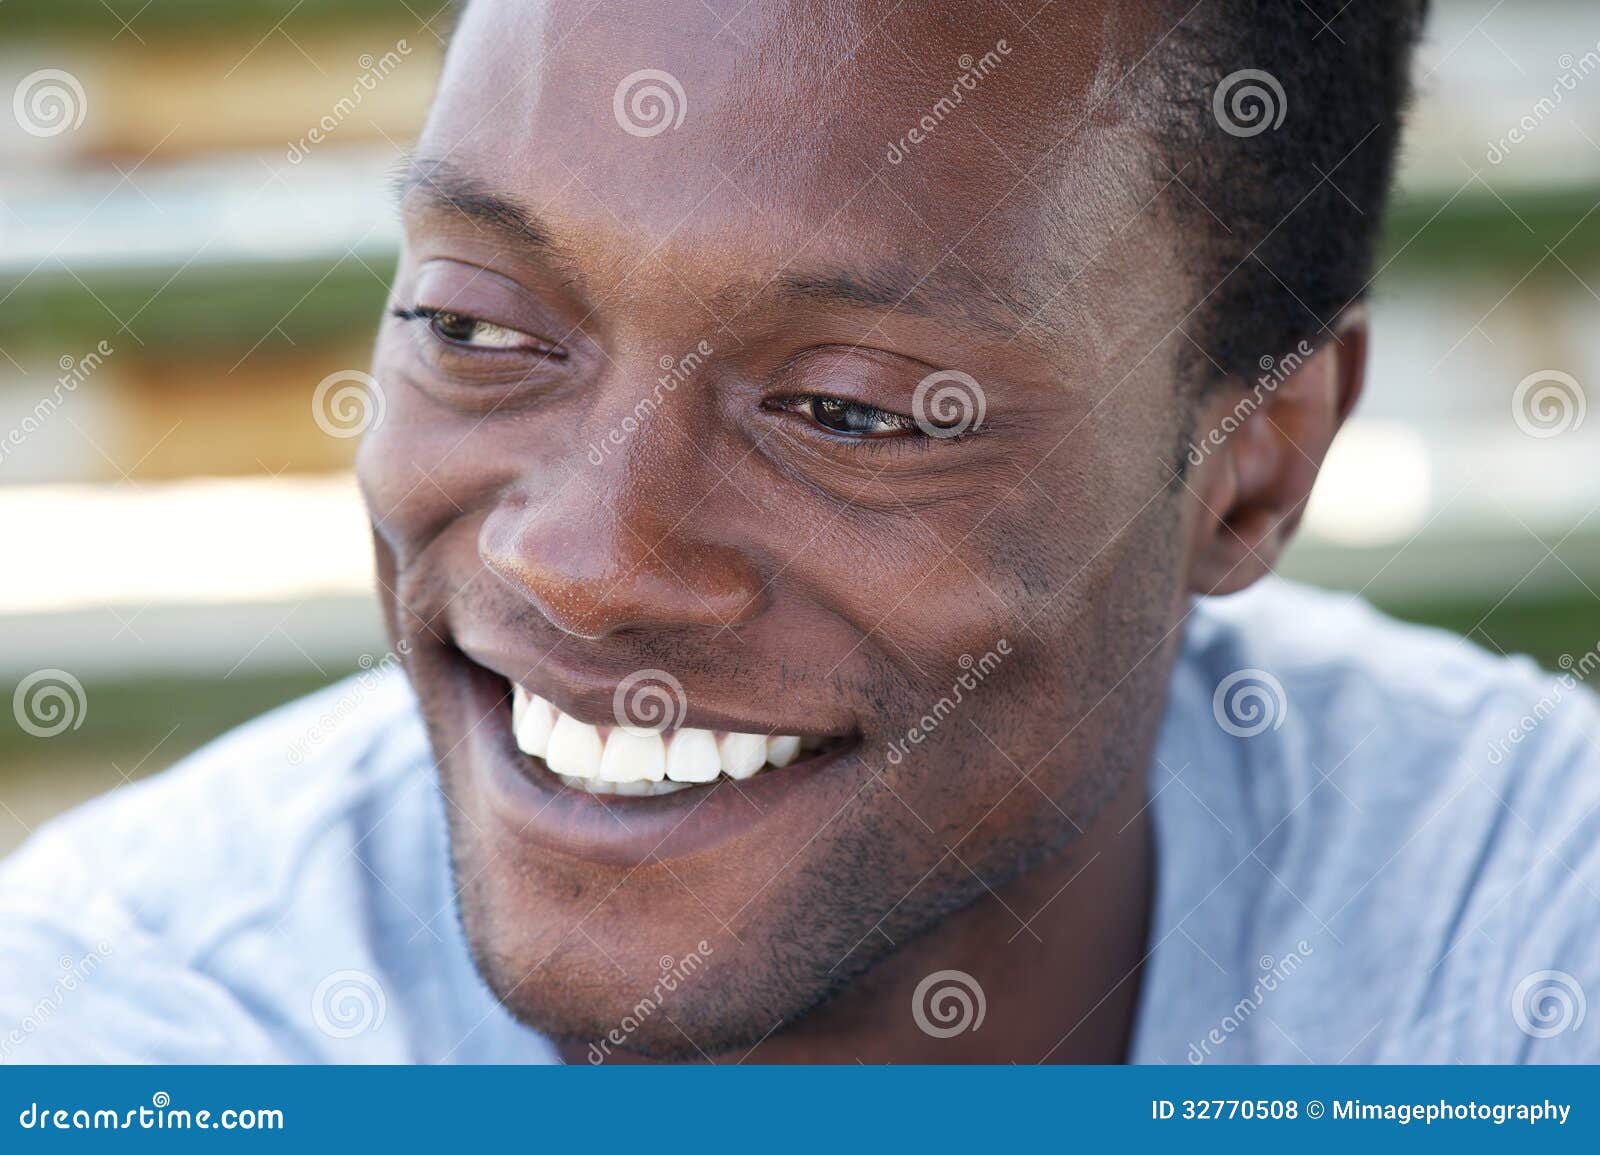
[(1256, 449)]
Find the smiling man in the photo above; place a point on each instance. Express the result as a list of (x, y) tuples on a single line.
[(833, 459)]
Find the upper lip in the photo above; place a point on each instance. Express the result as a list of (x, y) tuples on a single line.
[(590, 697)]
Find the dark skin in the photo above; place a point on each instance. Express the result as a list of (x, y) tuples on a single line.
[(792, 576)]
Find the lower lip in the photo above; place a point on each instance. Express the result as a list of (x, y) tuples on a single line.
[(619, 830)]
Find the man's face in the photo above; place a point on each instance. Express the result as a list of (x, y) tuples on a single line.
[(639, 461)]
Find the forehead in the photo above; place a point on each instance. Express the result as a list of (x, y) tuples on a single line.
[(962, 141)]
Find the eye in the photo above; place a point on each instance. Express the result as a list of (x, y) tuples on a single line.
[(852, 419), (472, 333)]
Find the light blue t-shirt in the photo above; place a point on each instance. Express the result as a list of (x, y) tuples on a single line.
[(1375, 843)]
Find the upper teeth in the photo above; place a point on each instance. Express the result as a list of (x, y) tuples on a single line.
[(629, 761)]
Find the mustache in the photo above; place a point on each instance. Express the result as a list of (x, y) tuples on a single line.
[(435, 610)]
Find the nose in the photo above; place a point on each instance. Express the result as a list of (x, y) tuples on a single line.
[(597, 559)]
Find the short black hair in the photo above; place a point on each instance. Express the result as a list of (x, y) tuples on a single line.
[(1283, 118)]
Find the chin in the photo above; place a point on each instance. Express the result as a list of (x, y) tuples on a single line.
[(606, 902), (687, 922)]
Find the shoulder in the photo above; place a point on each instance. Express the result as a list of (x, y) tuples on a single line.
[(271, 786), (1305, 683), (147, 908), (1421, 810), (1290, 675)]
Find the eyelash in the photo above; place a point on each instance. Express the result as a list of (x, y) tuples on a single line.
[(908, 429), (904, 428), (432, 315)]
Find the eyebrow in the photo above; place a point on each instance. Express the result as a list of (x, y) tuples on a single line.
[(446, 187), (958, 295)]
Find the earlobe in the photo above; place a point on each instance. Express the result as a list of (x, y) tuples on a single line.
[(1256, 452)]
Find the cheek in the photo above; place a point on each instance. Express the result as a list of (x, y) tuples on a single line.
[(423, 469), (1018, 550), (1075, 572)]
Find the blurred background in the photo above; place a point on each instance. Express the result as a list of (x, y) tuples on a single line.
[(196, 234)]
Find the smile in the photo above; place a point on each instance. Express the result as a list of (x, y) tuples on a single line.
[(574, 782), (639, 762)]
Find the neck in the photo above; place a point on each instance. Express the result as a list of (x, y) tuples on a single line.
[(1057, 954)]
